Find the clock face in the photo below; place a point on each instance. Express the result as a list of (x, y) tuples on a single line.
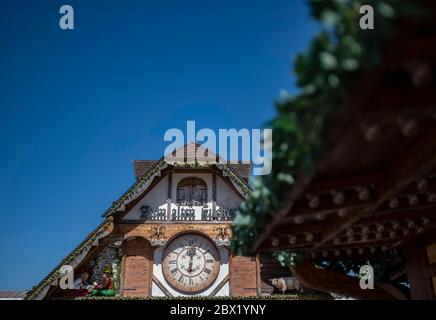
[(190, 263)]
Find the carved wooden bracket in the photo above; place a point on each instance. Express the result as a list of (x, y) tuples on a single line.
[(222, 238), (158, 237)]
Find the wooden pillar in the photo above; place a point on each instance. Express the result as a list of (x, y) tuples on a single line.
[(244, 278), (169, 195), (213, 193), (137, 268), (421, 270)]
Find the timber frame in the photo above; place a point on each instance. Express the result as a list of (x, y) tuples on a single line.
[(374, 189)]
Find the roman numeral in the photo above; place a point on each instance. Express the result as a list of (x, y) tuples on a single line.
[(191, 282), (208, 271), (208, 261), (181, 279), (172, 262), (174, 271)]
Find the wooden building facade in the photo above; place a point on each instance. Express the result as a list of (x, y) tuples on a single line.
[(168, 235)]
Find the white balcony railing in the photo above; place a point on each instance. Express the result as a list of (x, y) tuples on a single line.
[(188, 212)]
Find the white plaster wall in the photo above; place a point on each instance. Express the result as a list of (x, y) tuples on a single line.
[(156, 291), (224, 291), (156, 198), (225, 196), (224, 271)]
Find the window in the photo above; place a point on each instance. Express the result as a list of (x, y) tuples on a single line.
[(192, 191)]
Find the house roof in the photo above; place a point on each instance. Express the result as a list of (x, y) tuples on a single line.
[(12, 295), (155, 169), (141, 166), (83, 247), (149, 169), (243, 170)]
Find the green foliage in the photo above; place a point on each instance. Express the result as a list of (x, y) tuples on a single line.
[(117, 276), (306, 296), (325, 73), (288, 259), (55, 274), (155, 169)]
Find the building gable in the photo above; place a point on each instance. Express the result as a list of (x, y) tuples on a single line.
[(151, 189)]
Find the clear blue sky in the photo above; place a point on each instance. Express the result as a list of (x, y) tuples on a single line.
[(77, 106)]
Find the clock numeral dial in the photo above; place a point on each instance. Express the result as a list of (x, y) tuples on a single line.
[(190, 263)]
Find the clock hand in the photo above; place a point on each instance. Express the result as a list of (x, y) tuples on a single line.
[(190, 265), (191, 253)]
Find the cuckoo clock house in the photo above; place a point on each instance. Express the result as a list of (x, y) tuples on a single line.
[(168, 235)]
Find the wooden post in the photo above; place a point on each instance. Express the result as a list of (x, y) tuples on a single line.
[(170, 186), (213, 193), (123, 268), (244, 276), (329, 281), (259, 279), (138, 268), (418, 271)]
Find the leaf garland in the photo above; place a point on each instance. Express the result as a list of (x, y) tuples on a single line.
[(325, 73)]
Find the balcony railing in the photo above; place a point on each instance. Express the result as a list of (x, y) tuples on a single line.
[(191, 212)]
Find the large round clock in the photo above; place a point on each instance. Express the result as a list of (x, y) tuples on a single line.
[(190, 263)]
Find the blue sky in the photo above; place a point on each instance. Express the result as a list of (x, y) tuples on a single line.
[(77, 106)]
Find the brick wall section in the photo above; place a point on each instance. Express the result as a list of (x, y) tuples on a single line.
[(244, 276), (138, 263)]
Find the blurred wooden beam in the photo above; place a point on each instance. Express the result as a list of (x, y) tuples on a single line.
[(415, 163)]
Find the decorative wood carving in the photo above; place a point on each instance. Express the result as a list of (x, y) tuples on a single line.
[(158, 237), (222, 238), (332, 282)]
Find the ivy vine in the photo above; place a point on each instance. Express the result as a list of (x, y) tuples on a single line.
[(325, 73)]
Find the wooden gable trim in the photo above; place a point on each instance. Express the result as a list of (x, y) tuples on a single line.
[(231, 186), (169, 172), (416, 162), (131, 205)]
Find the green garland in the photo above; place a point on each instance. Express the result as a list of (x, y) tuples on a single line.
[(325, 73), (235, 178), (300, 296), (54, 275), (227, 169), (157, 167)]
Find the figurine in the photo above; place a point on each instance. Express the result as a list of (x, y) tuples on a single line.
[(105, 287)]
